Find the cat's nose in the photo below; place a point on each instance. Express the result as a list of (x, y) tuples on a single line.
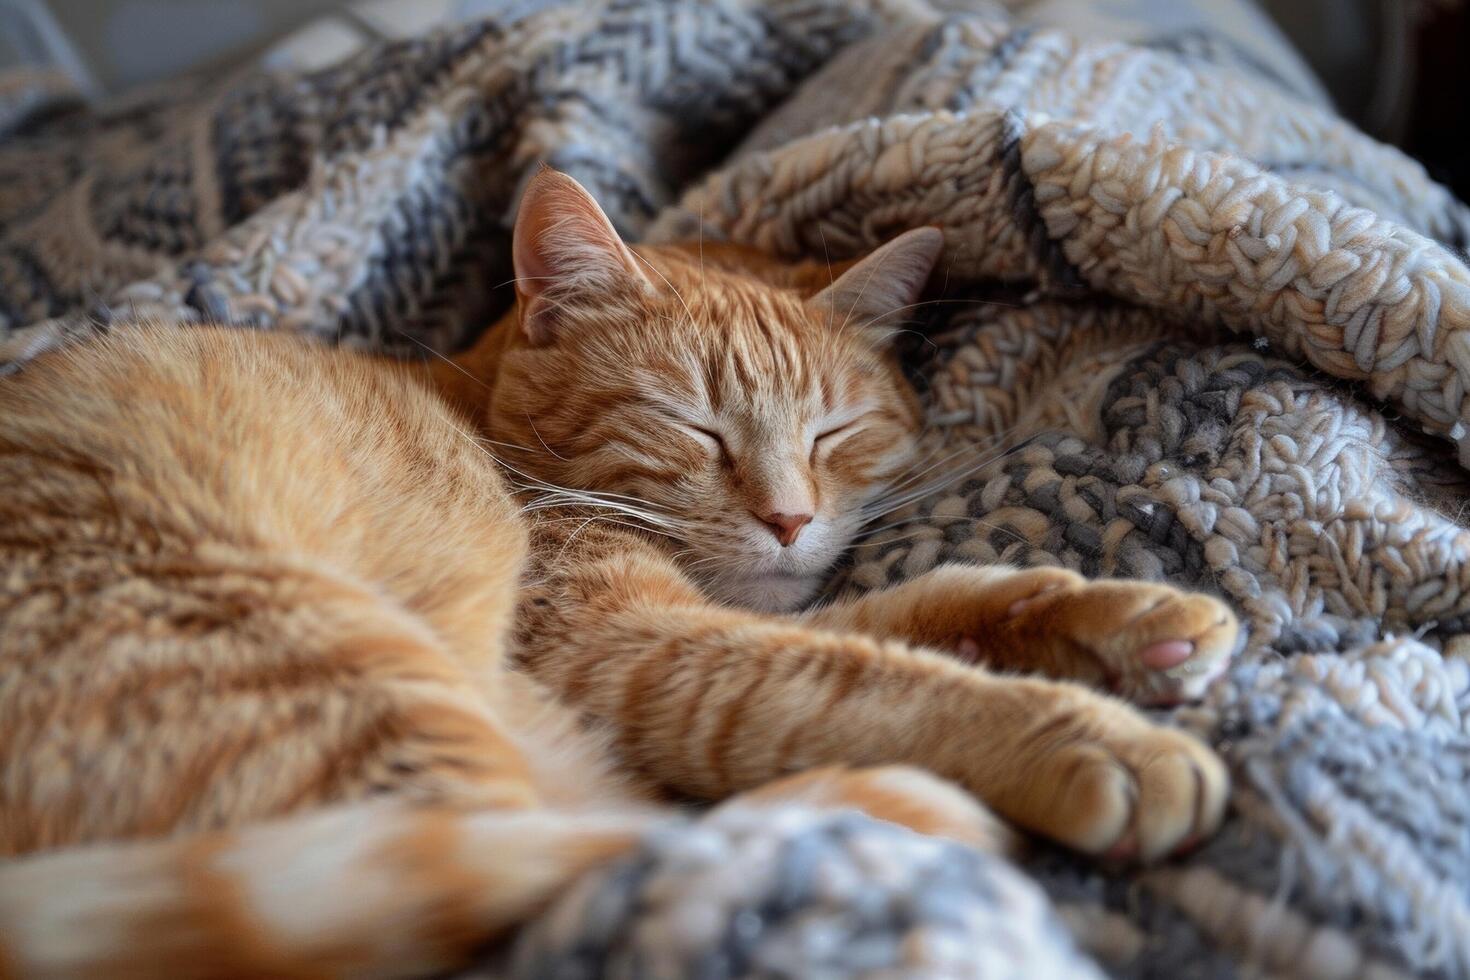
[(786, 527)]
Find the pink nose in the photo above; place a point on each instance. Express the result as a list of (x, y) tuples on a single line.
[(786, 527)]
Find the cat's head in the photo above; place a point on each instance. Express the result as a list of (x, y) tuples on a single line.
[(751, 411)]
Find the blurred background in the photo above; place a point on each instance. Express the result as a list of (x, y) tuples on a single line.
[(1400, 69)]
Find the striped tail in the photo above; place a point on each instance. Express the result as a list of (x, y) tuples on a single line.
[(377, 889)]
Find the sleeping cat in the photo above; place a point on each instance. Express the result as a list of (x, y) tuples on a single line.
[(331, 699)]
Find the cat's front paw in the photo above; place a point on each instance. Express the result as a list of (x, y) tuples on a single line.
[(1132, 791), (1154, 644)]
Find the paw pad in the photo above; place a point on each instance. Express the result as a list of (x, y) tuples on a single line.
[(1166, 654)]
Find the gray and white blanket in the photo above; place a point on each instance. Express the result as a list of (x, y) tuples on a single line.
[(1194, 326)]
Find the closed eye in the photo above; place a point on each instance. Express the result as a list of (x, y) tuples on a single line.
[(710, 437), (833, 436)]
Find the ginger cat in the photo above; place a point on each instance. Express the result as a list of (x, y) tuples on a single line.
[(330, 699)]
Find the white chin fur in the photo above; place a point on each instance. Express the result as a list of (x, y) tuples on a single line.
[(766, 593), (760, 576)]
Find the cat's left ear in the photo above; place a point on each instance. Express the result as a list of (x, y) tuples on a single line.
[(565, 251), (876, 291)]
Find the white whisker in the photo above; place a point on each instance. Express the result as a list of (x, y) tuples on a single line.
[(566, 496), (677, 295), (532, 424), (894, 502), (441, 357)]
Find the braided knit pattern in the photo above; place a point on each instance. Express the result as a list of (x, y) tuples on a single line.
[(1192, 327), (797, 894)]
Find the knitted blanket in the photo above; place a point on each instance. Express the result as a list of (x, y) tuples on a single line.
[(1193, 327)]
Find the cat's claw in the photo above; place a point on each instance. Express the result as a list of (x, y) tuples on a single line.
[(1047, 585), (1023, 592)]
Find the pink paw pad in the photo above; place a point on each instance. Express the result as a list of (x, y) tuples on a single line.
[(1188, 845), (1163, 656), (1126, 849)]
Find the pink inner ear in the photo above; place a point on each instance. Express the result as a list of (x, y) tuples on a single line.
[(561, 233), (531, 267), (563, 238)]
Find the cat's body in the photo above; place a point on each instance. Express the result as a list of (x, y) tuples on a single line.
[(245, 577)]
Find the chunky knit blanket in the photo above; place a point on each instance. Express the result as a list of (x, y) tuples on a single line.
[(1192, 326)]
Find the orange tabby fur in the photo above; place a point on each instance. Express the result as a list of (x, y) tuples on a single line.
[(246, 577)]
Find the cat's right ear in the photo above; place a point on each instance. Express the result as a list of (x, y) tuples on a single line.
[(875, 292), (564, 246)]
